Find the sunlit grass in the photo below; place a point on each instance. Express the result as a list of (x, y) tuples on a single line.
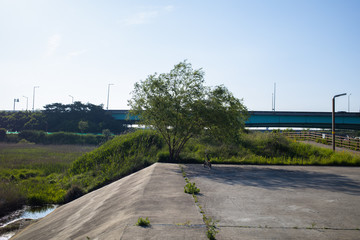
[(32, 174)]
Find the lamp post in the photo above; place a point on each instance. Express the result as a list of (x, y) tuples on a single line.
[(72, 99), (33, 108), (107, 106), (27, 101), (349, 102), (15, 101), (333, 119)]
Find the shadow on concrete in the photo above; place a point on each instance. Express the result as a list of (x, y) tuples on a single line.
[(273, 178)]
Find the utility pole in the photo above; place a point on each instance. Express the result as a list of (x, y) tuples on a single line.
[(15, 101), (107, 106), (27, 101), (33, 108), (349, 102), (333, 119), (274, 97)]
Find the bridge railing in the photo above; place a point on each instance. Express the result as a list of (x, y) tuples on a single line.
[(340, 141)]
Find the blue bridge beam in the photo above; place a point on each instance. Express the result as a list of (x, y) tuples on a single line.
[(343, 120)]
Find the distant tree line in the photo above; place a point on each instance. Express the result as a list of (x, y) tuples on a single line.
[(57, 117)]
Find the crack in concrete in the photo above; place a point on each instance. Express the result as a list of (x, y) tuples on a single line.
[(300, 228)]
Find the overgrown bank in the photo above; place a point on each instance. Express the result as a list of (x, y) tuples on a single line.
[(40, 174), (266, 148), (37, 174)]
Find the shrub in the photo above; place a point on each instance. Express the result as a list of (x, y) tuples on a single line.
[(143, 222), (163, 156), (72, 138), (12, 138), (2, 134), (33, 136)]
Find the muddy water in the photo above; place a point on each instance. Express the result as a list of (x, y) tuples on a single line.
[(25, 213)]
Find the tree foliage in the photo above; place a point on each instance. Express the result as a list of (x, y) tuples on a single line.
[(179, 107), (58, 117)]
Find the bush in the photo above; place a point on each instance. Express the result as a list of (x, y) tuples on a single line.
[(12, 138), (33, 136), (73, 138), (163, 156), (2, 134)]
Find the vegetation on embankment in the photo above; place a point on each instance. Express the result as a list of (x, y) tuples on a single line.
[(39, 174), (266, 148), (64, 138), (117, 158)]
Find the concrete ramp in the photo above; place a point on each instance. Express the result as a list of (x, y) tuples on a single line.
[(111, 212)]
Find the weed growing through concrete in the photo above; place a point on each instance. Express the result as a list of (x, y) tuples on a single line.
[(191, 188), (143, 222), (187, 223), (211, 227), (209, 222)]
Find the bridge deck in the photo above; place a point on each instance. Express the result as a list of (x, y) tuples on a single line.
[(343, 120)]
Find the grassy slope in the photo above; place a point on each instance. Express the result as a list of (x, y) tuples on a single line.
[(267, 148), (119, 157), (38, 174)]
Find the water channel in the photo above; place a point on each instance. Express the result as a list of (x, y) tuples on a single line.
[(25, 213)]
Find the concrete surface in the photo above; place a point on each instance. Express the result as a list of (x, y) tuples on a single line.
[(111, 212), (280, 202), (250, 202)]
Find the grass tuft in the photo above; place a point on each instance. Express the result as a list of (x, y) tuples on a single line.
[(143, 222)]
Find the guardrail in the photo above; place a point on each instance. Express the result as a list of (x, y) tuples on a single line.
[(340, 141)]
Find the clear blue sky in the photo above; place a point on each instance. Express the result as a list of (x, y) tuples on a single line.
[(311, 49)]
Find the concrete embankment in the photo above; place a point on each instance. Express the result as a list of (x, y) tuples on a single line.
[(246, 202), (111, 212)]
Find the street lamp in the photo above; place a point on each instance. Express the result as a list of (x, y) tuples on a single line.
[(349, 102), (33, 109), (27, 101), (107, 106), (333, 119), (15, 101), (72, 99)]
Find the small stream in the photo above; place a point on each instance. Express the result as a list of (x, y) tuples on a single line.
[(25, 213)]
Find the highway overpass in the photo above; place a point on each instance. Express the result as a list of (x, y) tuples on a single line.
[(280, 119)]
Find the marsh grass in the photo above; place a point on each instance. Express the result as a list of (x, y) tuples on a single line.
[(32, 174)]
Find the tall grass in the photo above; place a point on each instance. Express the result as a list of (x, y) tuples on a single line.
[(39, 174), (266, 148), (121, 156), (31, 174)]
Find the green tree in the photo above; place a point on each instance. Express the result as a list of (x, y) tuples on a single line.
[(179, 107), (62, 117), (83, 125)]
